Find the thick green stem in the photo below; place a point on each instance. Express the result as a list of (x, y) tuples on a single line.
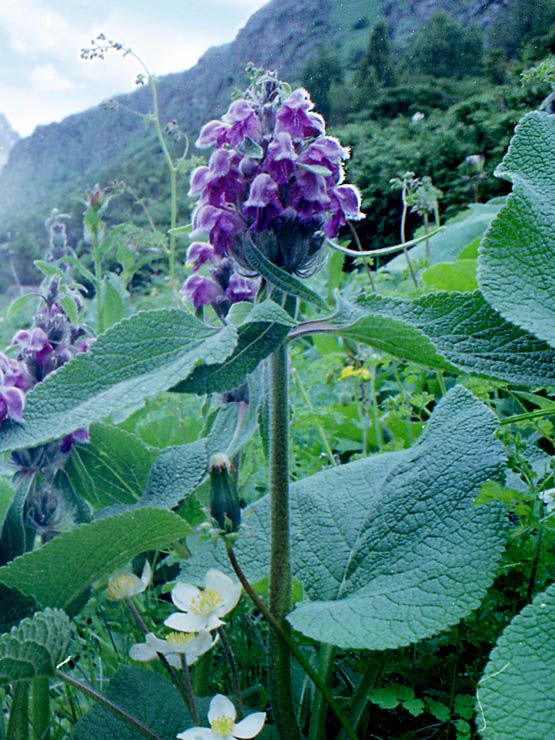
[(358, 702), (107, 704), (41, 708), (18, 725), (317, 729), (279, 657), (286, 638)]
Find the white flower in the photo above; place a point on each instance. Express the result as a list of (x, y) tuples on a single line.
[(201, 610), (176, 644), (221, 716), (123, 584), (548, 498)]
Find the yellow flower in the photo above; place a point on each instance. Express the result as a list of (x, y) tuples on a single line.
[(350, 372)]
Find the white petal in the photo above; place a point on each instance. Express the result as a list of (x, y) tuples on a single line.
[(218, 581), (250, 726), (142, 652), (158, 645), (196, 733), (212, 622), (146, 575), (199, 645), (174, 660), (231, 597), (186, 622), (220, 706), (183, 594)]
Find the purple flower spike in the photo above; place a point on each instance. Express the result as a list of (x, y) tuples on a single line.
[(34, 343), (219, 223), (12, 401), (199, 180), (199, 253), (201, 290), (309, 195), (293, 116), (214, 132), (345, 204), (11, 373), (241, 288), (280, 159), (244, 122), (263, 202)]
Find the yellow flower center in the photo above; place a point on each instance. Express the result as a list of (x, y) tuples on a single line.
[(180, 639), (206, 602), (121, 586), (223, 726)]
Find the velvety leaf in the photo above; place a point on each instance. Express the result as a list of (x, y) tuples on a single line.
[(446, 330), (137, 358), (389, 549), (14, 535), (459, 275), (517, 256), (62, 569), (516, 698), (112, 468), (145, 695), (265, 327), (176, 472), (35, 646)]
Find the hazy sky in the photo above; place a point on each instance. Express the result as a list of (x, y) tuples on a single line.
[(43, 79)]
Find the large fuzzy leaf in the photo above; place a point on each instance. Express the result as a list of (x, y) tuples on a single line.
[(135, 359), (390, 549), (516, 697), (35, 646), (145, 695), (450, 331), (62, 569), (517, 255), (112, 468)]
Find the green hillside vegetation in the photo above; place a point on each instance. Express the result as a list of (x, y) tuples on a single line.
[(369, 83)]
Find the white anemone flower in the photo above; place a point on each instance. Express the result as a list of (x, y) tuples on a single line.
[(123, 584), (173, 646), (201, 610), (221, 716)]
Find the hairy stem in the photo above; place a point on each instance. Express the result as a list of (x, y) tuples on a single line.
[(189, 690), (41, 708), (234, 672), (285, 637), (279, 658), (18, 725)]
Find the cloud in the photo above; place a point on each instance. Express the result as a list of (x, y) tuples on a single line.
[(45, 78)]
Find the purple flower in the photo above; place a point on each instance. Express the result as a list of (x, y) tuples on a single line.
[(263, 202), (309, 195), (345, 203), (12, 401), (213, 132), (280, 158), (199, 253), (244, 122), (241, 288), (79, 435), (11, 373), (221, 225), (201, 290), (33, 343)]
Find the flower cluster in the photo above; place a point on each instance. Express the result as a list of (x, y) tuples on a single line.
[(200, 614), (223, 287), (274, 179)]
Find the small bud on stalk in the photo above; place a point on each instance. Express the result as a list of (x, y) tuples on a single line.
[(224, 499)]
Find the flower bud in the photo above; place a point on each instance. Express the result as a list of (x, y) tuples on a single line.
[(224, 499)]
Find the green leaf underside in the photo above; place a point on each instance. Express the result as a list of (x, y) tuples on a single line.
[(280, 278), (145, 695), (517, 256), (62, 569), (452, 276), (516, 698), (448, 331), (135, 359), (390, 549), (35, 646), (265, 328), (112, 469)]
